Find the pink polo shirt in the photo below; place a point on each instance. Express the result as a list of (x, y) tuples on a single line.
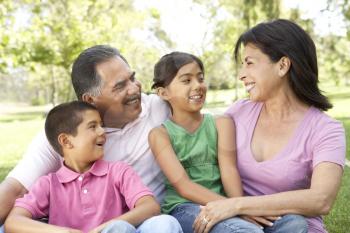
[(84, 201), (317, 139)]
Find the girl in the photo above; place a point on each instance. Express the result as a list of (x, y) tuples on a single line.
[(193, 149)]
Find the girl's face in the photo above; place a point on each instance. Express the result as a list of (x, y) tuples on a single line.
[(261, 77), (187, 91)]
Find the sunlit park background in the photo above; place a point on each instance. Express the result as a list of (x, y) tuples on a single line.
[(39, 39)]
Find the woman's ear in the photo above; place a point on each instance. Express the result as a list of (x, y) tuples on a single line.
[(162, 93), (284, 66), (63, 140)]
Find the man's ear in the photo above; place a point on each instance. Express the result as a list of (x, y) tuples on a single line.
[(88, 98), (63, 140), (162, 93), (284, 66)]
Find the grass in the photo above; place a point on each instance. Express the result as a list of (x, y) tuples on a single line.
[(17, 130)]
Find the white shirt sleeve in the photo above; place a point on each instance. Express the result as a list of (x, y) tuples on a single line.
[(159, 110), (39, 159)]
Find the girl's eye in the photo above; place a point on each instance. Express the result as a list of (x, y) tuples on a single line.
[(186, 80)]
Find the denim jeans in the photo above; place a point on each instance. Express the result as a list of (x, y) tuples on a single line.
[(288, 223), (2, 229), (187, 212), (157, 224)]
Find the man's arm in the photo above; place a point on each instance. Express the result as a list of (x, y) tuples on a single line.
[(10, 190), (39, 159)]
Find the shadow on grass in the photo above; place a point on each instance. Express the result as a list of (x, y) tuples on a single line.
[(22, 116)]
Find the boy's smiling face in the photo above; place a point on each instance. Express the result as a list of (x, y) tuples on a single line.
[(87, 145)]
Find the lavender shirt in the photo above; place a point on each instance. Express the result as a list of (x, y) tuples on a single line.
[(84, 201), (318, 138)]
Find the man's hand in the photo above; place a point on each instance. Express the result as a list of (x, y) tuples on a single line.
[(10, 190)]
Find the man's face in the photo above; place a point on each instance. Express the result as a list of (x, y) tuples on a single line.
[(120, 99)]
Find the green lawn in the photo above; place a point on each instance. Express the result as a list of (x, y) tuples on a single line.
[(18, 129)]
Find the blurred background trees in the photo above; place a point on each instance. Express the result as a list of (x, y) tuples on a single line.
[(39, 40)]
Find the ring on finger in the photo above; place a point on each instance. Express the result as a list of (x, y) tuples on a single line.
[(205, 220)]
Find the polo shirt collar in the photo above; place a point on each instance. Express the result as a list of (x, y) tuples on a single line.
[(66, 175)]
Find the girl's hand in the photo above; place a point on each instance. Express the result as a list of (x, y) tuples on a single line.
[(211, 214), (261, 221)]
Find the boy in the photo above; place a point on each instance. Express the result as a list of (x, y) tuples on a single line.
[(86, 194)]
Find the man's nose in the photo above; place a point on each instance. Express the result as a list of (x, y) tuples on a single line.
[(134, 87)]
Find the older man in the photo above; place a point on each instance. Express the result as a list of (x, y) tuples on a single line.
[(102, 77)]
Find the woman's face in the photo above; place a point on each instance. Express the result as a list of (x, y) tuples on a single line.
[(259, 74)]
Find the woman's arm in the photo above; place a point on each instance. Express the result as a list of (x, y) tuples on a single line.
[(162, 149), (227, 157), (317, 200), (20, 220), (145, 207)]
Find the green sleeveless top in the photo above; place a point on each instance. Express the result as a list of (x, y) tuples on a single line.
[(197, 153)]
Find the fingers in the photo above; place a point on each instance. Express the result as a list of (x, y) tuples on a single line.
[(273, 218), (251, 220)]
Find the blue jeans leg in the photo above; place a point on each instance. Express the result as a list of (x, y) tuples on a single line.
[(289, 223), (119, 226), (2, 229), (160, 224), (186, 214)]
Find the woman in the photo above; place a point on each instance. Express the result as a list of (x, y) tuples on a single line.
[(290, 154)]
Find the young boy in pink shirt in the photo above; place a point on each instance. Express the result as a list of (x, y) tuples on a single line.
[(86, 194)]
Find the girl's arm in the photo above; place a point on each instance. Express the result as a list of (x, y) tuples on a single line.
[(317, 200), (20, 220), (164, 154), (145, 207), (227, 156)]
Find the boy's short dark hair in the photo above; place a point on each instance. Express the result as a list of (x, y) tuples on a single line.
[(65, 118)]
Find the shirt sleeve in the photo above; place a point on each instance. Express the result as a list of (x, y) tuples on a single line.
[(159, 110), (329, 145), (38, 199), (39, 159), (131, 185)]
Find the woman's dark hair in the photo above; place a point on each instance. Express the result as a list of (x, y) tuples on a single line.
[(167, 67), (280, 38)]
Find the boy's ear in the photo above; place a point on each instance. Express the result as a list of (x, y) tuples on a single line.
[(162, 93), (284, 66), (63, 140), (88, 98)]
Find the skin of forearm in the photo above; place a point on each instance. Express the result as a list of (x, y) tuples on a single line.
[(10, 190), (305, 202), (143, 210), (189, 190), (22, 224), (232, 183)]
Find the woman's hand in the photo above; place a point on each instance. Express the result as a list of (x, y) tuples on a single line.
[(213, 213)]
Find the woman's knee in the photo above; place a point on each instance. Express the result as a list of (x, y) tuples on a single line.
[(236, 225), (291, 223)]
